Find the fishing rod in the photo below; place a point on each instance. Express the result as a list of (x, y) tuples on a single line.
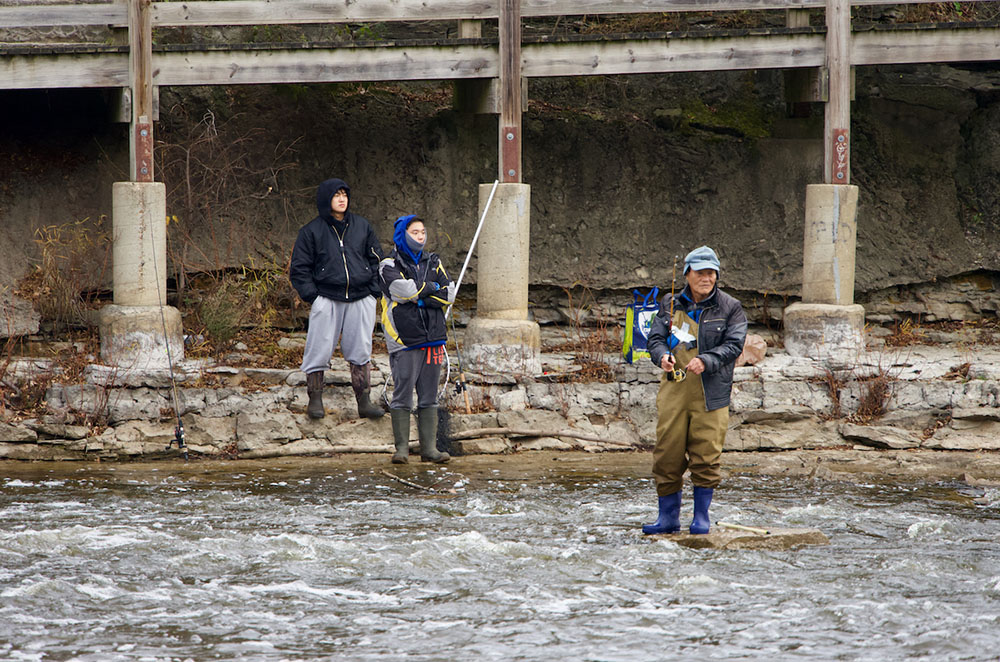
[(475, 238), (460, 386), (179, 428), (677, 374)]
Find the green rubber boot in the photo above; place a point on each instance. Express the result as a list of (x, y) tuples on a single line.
[(427, 424), (400, 435)]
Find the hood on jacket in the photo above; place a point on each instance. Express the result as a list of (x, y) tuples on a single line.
[(400, 238), (324, 196)]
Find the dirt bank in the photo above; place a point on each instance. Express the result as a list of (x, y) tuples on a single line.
[(974, 468)]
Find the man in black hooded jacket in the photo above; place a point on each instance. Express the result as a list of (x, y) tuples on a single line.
[(335, 270)]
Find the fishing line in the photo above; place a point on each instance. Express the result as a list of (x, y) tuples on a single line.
[(179, 429)]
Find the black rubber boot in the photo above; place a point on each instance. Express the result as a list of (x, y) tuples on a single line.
[(361, 383), (314, 387), (427, 424), (400, 435)]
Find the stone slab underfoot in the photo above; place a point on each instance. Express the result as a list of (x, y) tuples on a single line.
[(723, 538)]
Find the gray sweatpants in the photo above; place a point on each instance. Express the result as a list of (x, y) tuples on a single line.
[(416, 368), (350, 322)]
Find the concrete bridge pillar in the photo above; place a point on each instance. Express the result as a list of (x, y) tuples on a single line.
[(501, 338), (132, 328), (827, 324)]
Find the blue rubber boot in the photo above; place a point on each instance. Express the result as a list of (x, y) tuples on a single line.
[(702, 500), (670, 516)]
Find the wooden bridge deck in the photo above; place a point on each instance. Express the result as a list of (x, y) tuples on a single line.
[(27, 66)]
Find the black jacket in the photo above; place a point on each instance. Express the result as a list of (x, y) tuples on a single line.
[(335, 259), (722, 329), (413, 308)]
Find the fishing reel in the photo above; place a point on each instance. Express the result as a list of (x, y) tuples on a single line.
[(179, 438), (677, 374)]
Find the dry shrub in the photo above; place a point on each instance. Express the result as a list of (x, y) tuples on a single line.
[(216, 171), (873, 400), (222, 311), (74, 256), (480, 402), (242, 305), (23, 398), (876, 391), (27, 397), (905, 334), (10, 346), (589, 338), (834, 384), (958, 373), (268, 289), (932, 12), (267, 353), (627, 24)]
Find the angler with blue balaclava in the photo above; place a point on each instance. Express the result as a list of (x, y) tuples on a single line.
[(415, 293), (334, 268), (703, 333)]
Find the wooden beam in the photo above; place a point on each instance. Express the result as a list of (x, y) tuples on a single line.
[(326, 65), (510, 92), (39, 16), (48, 71), (262, 12), (837, 118), (958, 44), (277, 12), (140, 67), (25, 68), (672, 55)]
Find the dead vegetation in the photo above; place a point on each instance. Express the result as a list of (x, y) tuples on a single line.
[(589, 336), (874, 385)]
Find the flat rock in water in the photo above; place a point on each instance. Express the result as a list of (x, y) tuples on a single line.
[(722, 538)]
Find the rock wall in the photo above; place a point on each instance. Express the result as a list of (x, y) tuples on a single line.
[(626, 174), (941, 398)]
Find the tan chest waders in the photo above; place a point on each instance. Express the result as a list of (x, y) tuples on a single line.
[(687, 436)]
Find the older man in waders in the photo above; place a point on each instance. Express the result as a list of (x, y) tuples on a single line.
[(335, 269), (704, 335)]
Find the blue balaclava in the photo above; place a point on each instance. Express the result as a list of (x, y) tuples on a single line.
[(406, 244)]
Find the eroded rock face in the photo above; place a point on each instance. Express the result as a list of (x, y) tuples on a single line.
[(922, 133)]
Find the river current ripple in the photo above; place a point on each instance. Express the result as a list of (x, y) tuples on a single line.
[(348, 564)]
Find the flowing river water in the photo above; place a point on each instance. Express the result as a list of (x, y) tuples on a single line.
[(535, 557)]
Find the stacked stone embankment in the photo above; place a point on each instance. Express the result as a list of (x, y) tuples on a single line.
[(942, 397)]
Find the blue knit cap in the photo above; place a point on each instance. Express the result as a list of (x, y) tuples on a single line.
[(701, 258)]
